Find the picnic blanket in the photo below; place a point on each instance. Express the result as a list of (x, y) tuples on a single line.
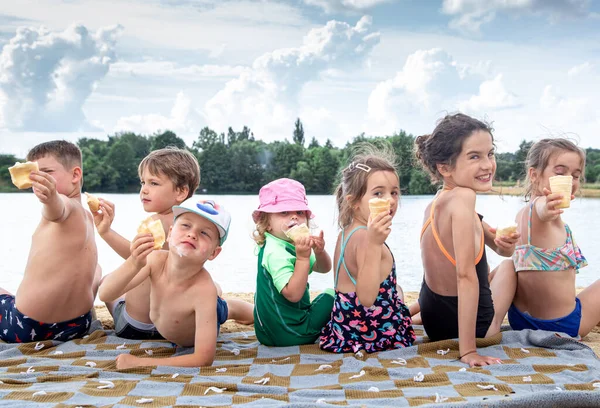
[(539, 369)]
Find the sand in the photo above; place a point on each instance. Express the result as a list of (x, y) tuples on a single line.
[(592, 339)]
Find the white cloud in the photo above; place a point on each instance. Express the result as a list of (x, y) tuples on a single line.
[(582, 69), (332, 6), (46, 77), (182, 119), (492, 96), (266, 96), (427, 78), (172, 70), (565, 109), (472, 14)]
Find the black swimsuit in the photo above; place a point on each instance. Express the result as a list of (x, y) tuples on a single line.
[(440, 313)]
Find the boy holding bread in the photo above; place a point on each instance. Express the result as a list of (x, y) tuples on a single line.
[(182, 293), (55, 298), (168, 177)]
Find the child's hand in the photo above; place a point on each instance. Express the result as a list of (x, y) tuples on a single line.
[(552, 200), (302, 247), (125, 361), (318, 243), (379, 227), (104, 218), (506, 243), (474, 359), (44, 186), (141, 246)]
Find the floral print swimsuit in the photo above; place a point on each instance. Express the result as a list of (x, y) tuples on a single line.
[(352, 327)]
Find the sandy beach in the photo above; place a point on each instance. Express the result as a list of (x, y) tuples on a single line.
[(592, 339)]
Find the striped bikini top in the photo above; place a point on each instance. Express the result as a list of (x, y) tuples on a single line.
[(531, 258)]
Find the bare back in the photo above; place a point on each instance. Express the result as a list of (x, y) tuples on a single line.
[(58, 283), (359, 238), (440, 273)]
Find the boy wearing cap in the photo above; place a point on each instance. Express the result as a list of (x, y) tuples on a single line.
[(184, 305), (283, 312)]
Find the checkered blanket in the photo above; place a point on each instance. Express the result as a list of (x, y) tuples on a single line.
[(539, 369)]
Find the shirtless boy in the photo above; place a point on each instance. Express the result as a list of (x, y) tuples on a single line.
[(167, 177), (55, 298), (184, 304)]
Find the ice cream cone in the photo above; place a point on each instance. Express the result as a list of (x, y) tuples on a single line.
[(298, 231), (506, 231), (562, 185), (378, 205)]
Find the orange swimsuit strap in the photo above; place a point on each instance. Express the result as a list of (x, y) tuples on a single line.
[(439, 241)]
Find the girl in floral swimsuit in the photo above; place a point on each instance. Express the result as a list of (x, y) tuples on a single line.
[(368, 312)]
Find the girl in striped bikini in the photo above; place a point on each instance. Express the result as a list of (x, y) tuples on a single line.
[(547, 259)]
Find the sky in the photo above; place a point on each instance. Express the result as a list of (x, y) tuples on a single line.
[(92, 68)]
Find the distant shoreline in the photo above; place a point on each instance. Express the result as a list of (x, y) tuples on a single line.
[(496, 190)]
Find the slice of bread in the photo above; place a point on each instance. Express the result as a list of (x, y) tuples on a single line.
[(93, 202), (19, 174), (155, 228)]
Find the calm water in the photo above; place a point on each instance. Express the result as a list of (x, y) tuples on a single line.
[(235, 267)]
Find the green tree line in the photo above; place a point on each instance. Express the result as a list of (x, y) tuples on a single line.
[(236, 162)]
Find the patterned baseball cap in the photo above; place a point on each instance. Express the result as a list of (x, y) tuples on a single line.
[(209, 210)]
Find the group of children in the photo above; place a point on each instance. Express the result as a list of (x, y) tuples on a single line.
[(169, 294)]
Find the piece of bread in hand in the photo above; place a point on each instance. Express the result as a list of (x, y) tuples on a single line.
[(93, 202), (379, 205), (19, 174), (298, 231), (155, 228)]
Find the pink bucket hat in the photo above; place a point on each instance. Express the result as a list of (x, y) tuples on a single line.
[(282, 195)]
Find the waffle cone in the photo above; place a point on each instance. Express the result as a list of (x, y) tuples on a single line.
[(378, 205)]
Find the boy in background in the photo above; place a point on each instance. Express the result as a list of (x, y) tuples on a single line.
[(167, 176), (55, 299)]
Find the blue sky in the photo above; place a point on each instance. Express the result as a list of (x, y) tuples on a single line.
[(76, 68)]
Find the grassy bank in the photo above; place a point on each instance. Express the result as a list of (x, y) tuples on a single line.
[(590, 190)]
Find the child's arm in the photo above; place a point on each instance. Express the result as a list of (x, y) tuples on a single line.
[(323, 263), (296, 286), (56, 207), (504, 245), (131, 273), (368, 258), (462, 209), (545, 206), (205, 342), (103, 220)]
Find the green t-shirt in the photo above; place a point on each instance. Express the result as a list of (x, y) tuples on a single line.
[(279, 259)]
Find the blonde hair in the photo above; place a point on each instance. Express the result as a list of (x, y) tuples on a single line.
[(354, 177), (539, 155), (261, 227), (179, 165)]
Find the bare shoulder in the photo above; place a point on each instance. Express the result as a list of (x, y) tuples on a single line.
[(156, 261), (461, 199)]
